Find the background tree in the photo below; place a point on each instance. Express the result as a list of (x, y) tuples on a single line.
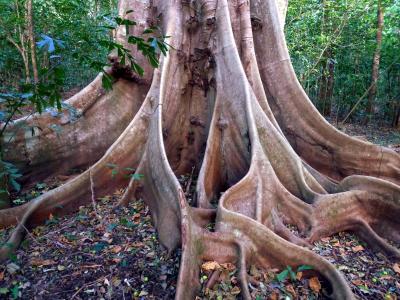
[(350, 34)]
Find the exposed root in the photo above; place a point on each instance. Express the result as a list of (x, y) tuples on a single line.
[(227, 105)]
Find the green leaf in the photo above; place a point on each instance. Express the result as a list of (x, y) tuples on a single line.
[(111, 166), (15, 292), (291, 273), (137, 176), (304, 268), (15, 185), (282, 275), (107, 82), (137, 69)]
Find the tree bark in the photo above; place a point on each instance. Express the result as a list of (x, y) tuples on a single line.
[(31, 37), (375, 63), (326, 84), (226, 101)]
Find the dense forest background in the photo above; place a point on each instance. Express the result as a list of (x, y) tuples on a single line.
[(346, 52)]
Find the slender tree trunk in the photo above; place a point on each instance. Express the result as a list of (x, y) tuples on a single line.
[(325, 89), (22, 49), (31, 37), (326, 84), (375, 64), (5, 200)]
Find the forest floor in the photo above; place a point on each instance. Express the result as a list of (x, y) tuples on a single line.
[(105, 253)]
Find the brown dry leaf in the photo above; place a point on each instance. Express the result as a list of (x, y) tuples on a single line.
[(390, 297), (396, 268), (119, 192), (228, 266), (255, 272), (116, 260), (357, 248), (357, 282), (42, 262), (291, 290), (273, 296), (91, 266), (315, 285), (235, 290), (210, 266), (116, 249), (63, 239), (137, 244), (1, 276), (337, 244)]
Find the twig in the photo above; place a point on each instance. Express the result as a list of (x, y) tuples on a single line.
[(189, 183), (93, 195), (365, 94), (86, 285), (28, 232), (357, 103), (36, 240)]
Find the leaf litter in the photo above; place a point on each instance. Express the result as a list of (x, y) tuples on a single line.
[(110, 253)]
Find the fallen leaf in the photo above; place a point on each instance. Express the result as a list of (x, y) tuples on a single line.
[(210, 266), (228, 266), (396, 268), (37, 262), (357, 248), (1, 276), (299, 275), (13, 268), (116, 249), (235, 291), (60, 268), (274, 296), (137, 244), (357, 282), (143, 293), (390, 297), (91, 266), (254, 271), (116, 260), (315, 285), (291, 290)]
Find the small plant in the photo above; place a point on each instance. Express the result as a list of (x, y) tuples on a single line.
[(129, 172), (9, 174), (289, 273)]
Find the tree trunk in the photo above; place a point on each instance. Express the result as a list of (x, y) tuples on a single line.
[(396, 113), (326, 81), (31, 37), (375, 64), (225, 101), (326, 84)]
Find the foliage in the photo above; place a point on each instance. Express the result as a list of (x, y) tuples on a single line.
[(348, 29), (71, 36)]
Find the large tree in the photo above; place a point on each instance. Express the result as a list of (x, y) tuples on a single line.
[(225, 102)]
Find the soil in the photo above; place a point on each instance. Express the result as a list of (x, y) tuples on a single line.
[(102, 252)]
